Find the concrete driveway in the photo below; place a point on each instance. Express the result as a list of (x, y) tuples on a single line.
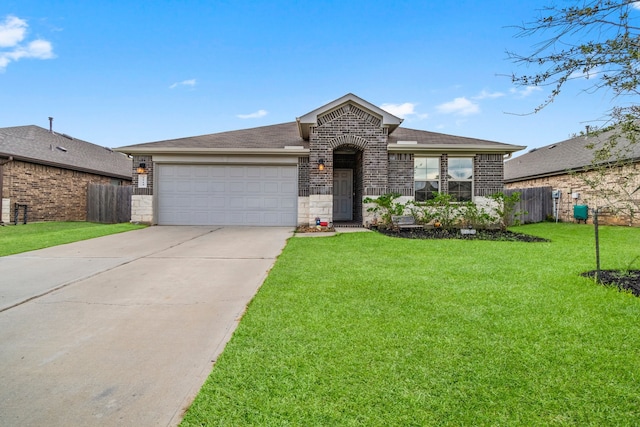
[(123, 330)]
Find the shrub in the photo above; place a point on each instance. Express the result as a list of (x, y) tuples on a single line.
[(473, 217), (505, 209), (386, 207)]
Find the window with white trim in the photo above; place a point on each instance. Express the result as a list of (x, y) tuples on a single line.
[(426, 177), (460, 178)]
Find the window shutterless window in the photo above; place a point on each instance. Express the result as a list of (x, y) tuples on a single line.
[(426, 177), (460, 178)]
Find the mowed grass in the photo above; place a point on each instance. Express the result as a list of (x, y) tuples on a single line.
[(366, 330), (20, 238)]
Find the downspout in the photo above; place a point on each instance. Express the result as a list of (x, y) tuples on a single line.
[(2, 163)]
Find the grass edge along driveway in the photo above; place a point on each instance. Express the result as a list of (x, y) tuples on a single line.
[(363, 329), (15, 239)]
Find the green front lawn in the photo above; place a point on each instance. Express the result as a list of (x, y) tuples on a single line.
[(15, 239), (366, 330)]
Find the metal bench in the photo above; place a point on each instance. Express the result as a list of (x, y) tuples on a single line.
[(401, 222)]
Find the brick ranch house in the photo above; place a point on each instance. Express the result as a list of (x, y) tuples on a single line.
[(49, 173), (564, 166), (323, 165)]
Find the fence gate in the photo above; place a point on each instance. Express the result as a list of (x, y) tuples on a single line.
[(536, 201), (109, 204)]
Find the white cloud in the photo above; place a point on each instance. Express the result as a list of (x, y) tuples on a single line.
[(12, 33), (484, 94), (635, 5), (523, 93), (403, 110), (460, 106), (190, 83), (256, 115)]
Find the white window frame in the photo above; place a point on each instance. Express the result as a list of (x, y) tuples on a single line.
[(426, 180), (451, 179)]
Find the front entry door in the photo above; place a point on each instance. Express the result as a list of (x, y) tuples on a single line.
[(343, 195)]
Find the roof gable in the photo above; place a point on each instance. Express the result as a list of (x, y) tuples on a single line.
[(38, 145), (315, 117)]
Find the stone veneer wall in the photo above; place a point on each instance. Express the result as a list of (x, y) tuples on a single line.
[(5, 211), (569, 184), (51, 193), (142, 208)]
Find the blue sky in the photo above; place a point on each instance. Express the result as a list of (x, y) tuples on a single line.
[(124, 72)]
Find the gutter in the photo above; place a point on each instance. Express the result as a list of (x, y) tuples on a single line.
[(448, 148), (293, 151)]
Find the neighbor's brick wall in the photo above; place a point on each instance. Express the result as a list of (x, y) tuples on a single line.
[(51, 193), (488, 174), (569, 184)]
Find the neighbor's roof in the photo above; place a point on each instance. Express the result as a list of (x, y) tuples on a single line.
[(38, 145), (285, 138), (557, 159)]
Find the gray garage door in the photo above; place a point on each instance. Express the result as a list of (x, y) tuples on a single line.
[(227, 195)]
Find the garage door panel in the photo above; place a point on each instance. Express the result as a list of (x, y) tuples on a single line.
[(271, 188), (227, 195)]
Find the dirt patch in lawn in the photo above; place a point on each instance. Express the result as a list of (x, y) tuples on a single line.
[(625, 280), (500, 235)]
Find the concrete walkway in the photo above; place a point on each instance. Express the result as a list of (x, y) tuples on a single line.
[(123, 330)]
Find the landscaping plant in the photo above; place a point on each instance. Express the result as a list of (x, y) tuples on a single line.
[(385, 206)]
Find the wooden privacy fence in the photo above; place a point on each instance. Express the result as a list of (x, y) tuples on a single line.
[(536, 201), (109, 204)]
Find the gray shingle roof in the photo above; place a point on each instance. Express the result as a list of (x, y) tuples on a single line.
[(37, 145), (426, 137), (266, 137), (558, 158), (287, 134)]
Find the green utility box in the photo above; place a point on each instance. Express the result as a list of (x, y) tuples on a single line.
[(580, 213)]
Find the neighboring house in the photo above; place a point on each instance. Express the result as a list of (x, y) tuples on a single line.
[(49, 173), (567, 166), (323, 165)]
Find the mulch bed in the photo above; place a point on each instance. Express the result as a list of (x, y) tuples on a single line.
[(314, 229), (500, 235), (628, 280)]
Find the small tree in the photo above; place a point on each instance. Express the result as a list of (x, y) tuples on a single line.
[(598, 40), (612, 178)]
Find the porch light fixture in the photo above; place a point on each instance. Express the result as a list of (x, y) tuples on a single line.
[(142, 168), (321, 164)]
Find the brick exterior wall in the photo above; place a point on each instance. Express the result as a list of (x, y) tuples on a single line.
[(569, 184), (348, 126), (51, 193), (148, 162), (401, 173), (488, 172), (303, 176)]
